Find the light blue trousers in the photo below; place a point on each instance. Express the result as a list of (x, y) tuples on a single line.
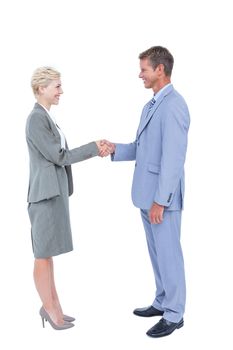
[(166, 255)]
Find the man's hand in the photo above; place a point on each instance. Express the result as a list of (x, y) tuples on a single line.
[(156, 213), (105, 148), (110, 146)]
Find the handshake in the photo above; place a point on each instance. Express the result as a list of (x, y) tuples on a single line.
[(105, 148)]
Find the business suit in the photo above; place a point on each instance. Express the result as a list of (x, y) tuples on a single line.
[(50, 184), (159, 151)]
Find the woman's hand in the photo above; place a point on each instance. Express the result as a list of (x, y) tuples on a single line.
[(105, 148)]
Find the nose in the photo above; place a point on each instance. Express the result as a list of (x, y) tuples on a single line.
[(61, 91), (140, 75)]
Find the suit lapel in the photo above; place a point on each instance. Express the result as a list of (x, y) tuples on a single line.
[(52, 125), (146, 116)]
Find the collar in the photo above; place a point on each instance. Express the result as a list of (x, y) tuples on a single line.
[(48, 112), (157, 94)]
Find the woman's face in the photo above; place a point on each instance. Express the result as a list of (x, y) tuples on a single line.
[(52, 92)]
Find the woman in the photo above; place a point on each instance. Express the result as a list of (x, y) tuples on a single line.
[(50, 185)]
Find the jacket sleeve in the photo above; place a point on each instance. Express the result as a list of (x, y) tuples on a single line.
[(49, 145), (175, 125), (124, 152)]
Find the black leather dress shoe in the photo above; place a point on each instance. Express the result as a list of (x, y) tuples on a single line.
[(164, 327), (148, 311)]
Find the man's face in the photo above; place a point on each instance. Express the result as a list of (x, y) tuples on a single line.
[(148, 74)]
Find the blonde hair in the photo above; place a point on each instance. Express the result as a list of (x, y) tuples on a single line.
[(42, 76)]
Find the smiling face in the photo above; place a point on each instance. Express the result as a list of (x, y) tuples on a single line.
[(49, 95), (153, 79), (148, 74)]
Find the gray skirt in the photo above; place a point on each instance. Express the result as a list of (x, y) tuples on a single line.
[(50, 222)]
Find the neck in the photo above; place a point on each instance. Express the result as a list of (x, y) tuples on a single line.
[(44, 103), (161, 83)]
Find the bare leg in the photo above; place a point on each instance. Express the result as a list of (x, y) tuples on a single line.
[(43, 283), (54, 291)]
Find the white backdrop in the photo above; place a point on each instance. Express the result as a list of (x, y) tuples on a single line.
[(95, 45)]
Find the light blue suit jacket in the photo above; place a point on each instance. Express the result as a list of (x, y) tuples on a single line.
[(159, 151)]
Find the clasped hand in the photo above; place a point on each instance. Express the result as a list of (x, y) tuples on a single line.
[(105, 147)]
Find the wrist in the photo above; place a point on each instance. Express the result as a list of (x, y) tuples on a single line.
[(157, 204)]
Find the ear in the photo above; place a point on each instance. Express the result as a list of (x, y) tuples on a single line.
[(41, 90), (160, 69)]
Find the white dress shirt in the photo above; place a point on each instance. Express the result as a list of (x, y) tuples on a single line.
[(62, 136), (157, 94)]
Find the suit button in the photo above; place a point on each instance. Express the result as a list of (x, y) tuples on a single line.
[(138, 143), (135, 164)]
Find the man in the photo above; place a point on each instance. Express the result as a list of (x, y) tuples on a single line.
[(158, 186)]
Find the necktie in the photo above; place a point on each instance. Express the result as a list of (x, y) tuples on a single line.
[(152, 102)]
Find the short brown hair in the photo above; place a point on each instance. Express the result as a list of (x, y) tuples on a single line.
[(159, 55)]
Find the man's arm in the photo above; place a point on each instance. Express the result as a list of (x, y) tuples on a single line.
[(174, 145), (120, 151)]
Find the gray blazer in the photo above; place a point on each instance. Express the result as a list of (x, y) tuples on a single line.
[(46, 154)]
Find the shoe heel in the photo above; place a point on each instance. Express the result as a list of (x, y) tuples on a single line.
[(45, 316), (180, 325)]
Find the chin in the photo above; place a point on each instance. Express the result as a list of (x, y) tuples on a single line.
[(147, 86)]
